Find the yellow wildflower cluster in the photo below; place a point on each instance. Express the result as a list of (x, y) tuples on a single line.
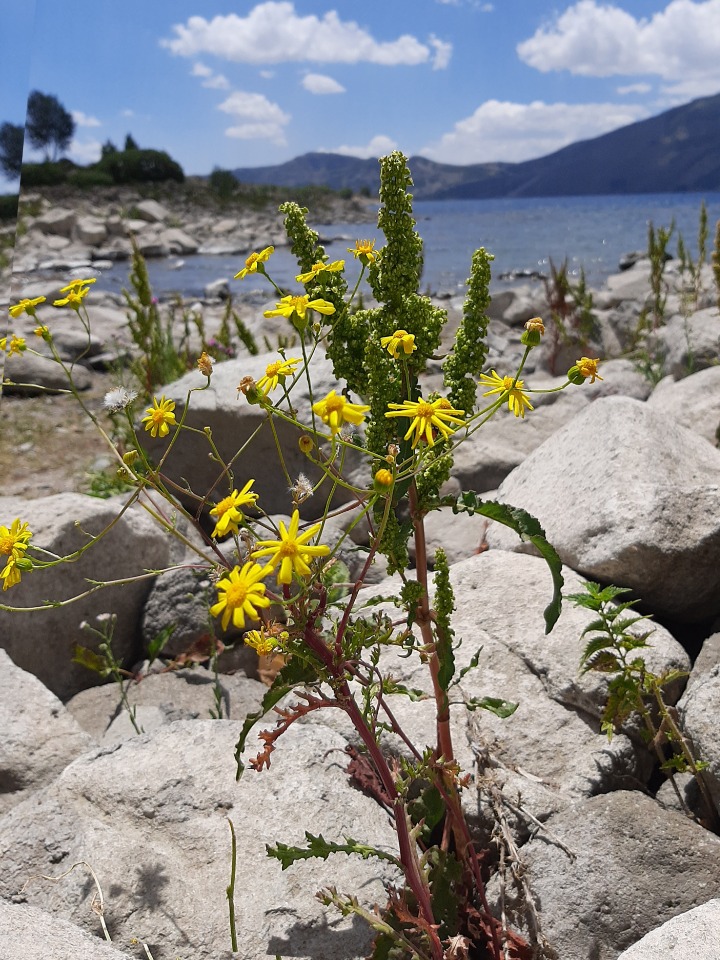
[(14, 542), (75, 292)]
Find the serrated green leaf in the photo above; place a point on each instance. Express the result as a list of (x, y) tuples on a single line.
[(527, 528), (501, 708), (599, 643), (604, 662), (320, 848)]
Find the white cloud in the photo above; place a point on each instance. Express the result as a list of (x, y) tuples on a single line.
[(260, 118), (443, 52), (200, 70), (634, 88), (217, 82), (274, 33), (86, 152), (319, 83), (127, 112), (377, 147), (511, 132), (679, 44), (83, 120), (267, 74)]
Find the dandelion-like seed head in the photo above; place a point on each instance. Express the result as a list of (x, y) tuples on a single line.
[(118, 399)]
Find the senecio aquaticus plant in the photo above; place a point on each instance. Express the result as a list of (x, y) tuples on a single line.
[(331, 645)]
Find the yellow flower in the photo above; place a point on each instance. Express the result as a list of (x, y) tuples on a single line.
[(16, 345), (588, 368), (75, 286), (205, 364), (275, 373), (289, 306), (10, 574), (383, 479), (292, 551), (320, 267), (254, 263), (364, 251), (263, 643), (401, 339), (15, 538), (159, 417), (228, 510), (42, 331), (518, 401), (241, 594), (25, 306), (427, 416), (335, 410), (73, 299)]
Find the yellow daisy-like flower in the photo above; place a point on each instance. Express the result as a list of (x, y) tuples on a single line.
[(275, 373), (320, 267), (73, 299), (427, 417), (13, 345), (254, 263), (75, 286), (588, 368), (25, 306), (228, 511), (263, 643), (364, 251), (289, 306), (15, 538), (335, 410), (400, 340), (292, 551), (240, 595), (42, 331), (518, 401), (159, 417), (10, 574)]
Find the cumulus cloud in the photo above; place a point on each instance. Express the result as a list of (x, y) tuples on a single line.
[(88, 151), (320, 84), (83, 120), (443, 52), (679, 44), (127, 112), (634, 88), (200, 70), (511, 132), (259, 118), (212, 80), (273, 32), (377, 147)]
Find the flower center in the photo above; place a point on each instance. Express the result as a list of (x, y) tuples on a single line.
[(224, 505), (252, 260), (273, 369), (425, 410), (335, 403), (7, 544), (236, 595), (288, 549)]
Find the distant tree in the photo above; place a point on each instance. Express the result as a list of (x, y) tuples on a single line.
[(130, 143), (108, 148), (140, 166), (223, 183), (49, 126), (11, 149)]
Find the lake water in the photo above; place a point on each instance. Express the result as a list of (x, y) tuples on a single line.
[(523, 234)]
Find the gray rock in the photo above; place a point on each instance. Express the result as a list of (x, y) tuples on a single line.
[(90, 230), (56, 220), (39, 737), (635, 865), (687, 936), (218, 288), (42, 641), (162, 698), (179, 598), (694, 401), (152, 211), (698, 712), (27, 933), (689, 343), (628, 497), (633, 284), (151, 817), (177, 241), (30, 375)]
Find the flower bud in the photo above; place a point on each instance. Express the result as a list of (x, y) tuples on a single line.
[(306, 444), (383, 480), (534, 329)]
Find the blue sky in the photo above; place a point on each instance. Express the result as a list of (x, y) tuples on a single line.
[(458, 81)]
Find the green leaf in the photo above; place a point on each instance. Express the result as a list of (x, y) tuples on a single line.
[(389, 685), (320, 848), (527, 528), (429, 806), (501, 708), (159, 641), (93, 661), (471, 666), (295, 672)]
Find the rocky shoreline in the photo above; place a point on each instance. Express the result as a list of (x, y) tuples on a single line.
[(623, 474)]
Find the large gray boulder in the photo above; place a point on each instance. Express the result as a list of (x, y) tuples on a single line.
[(627, 496), (151, 815), (699, 713), (694, 402), (688, 936), (635, 864), (39, 737), (688, 343), (27, 933), (42, 641)]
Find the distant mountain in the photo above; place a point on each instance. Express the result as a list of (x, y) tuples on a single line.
[(675, 152)]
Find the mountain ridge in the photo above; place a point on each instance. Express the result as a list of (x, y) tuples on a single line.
[(677, 151)]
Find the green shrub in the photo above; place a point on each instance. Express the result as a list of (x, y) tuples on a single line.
[(86, 179), (8, 206), (46, 174), (140, 166)]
